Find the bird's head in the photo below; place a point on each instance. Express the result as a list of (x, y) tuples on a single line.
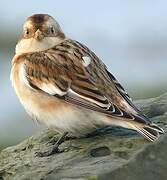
[(40, 32), (39, 26)]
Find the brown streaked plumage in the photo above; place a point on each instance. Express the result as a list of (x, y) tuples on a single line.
[(65, 85)]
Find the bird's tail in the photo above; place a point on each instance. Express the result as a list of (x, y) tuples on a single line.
[(150, 131)]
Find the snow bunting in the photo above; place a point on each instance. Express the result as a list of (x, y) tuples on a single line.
[(63, 84)]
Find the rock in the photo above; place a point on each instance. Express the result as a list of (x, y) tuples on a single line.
[(154, 106), (110, 153), (148, 164), (100, 152)]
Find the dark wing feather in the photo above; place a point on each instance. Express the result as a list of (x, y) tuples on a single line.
[(125, 95), (119, 87)]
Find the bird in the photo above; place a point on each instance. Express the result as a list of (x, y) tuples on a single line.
[(64, 85)]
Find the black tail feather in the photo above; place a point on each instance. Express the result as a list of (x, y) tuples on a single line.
[(150, 132)]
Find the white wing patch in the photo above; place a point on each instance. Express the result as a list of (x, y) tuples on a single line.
[(52, 89), (86, 60)]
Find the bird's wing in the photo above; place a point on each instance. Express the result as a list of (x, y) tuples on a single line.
[(73, 73), (122, 92)]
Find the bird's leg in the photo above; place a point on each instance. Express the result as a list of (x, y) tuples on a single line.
[(55, 148), (59, 141)]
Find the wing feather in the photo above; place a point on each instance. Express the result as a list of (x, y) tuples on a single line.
[(60, 72)]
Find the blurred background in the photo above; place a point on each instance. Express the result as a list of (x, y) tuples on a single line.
[(129, 36)]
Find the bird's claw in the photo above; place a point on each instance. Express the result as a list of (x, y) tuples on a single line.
[(48, 153)]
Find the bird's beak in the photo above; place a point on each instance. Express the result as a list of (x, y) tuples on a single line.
[(38, 35)]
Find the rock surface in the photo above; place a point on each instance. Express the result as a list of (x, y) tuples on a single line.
[(149, 164), (110, 154)]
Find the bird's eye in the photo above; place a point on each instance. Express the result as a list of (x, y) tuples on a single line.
[(27, 31), (52, 30)]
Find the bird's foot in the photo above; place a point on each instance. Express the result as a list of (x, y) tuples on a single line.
[(55, 150)]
